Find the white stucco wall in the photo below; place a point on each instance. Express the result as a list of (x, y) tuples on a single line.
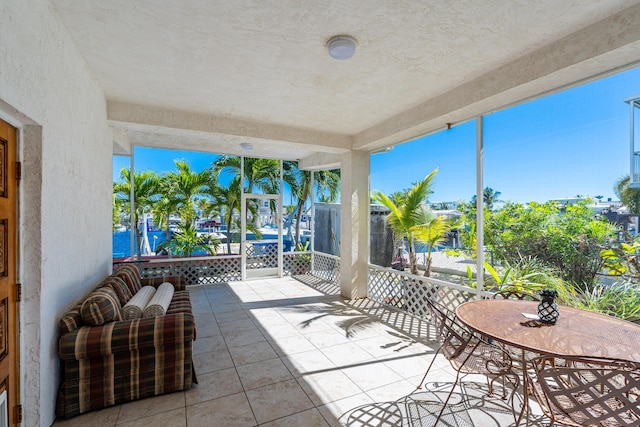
[(66, 187)]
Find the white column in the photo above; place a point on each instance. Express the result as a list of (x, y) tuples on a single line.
[(479, 207), (354, 224)]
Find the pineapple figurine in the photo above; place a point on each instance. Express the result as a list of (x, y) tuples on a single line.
[(547, 308)]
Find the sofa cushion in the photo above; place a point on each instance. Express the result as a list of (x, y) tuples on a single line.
[(131, 276), (160, 301), (134, 308), (120, 287), (100, 307), (71, 320)]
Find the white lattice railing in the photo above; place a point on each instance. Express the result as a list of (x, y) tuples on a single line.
[(326, 267), (296, 263), (410, 293), (196, 270)]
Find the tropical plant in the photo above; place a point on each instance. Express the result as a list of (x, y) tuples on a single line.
[(301, 263), (568, 238), (227, 202), (259, 174), (527, 275), (186, 241), (327, 182), (433, 230), (630, 197), (489, 197), (185, 185), (405, 213), (622, 260), (621, 299), (145, 193)]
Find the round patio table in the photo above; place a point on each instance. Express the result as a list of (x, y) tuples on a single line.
[(576, 333)]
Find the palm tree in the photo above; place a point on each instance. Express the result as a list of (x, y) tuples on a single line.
[(185, 185), (405, 215), (186, 241), (432, 230), (262, 174), (164, 207), (629, 197), (327, 183), (490, 197), (145, 193)]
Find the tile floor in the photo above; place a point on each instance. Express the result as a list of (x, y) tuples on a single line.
[(280, 352)]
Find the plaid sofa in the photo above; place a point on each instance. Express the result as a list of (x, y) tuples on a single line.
[(123, 360)]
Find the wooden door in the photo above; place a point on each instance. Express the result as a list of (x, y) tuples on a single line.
[(8, 286)]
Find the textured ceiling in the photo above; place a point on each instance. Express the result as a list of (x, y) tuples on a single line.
[(265, 62)]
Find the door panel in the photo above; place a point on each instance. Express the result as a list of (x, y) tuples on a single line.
[(263, 256), (8, 207)]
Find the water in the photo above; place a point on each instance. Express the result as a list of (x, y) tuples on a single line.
[(121, 243)]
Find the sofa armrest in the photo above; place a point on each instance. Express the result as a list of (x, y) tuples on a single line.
[(178, 283), (125, 336)]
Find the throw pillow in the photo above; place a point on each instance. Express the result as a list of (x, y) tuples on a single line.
[(134, 308), (100, 307), (160, 301), (121, 289), (131, 276)]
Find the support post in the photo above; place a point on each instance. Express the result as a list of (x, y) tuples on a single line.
[(479, 208), (354, 224)]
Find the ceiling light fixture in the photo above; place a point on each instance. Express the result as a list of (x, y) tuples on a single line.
[(342, 47), (246, 146)]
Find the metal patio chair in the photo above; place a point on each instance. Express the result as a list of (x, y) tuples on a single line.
[(469, 353), (587, 391)]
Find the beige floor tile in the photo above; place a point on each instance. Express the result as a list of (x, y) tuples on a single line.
[(212, 361), (246, 337), (278, 400), (407, 366), (103, 418), (173, 418), (208, 344), (237, 325), (309, 418), (219, 307), (252, 353), (306, 328), (151, 406), (387, 345), (279, 331), (291, 345), (371, 375), (228, 411), (206, 329), (392, 392), (327, 339), (346, 354), (263, 373), (337, 413), (328, 387), (308, 362), (231, 316), (214, 385)]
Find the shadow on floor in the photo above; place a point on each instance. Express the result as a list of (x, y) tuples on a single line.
[(469, 406)]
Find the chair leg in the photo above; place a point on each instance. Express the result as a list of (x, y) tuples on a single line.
[(428, 369), (444, 405)]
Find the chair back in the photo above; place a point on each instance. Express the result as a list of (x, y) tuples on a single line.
[(452, 337), (587, 391)]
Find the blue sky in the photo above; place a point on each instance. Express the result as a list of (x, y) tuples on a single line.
[(573, 142)]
